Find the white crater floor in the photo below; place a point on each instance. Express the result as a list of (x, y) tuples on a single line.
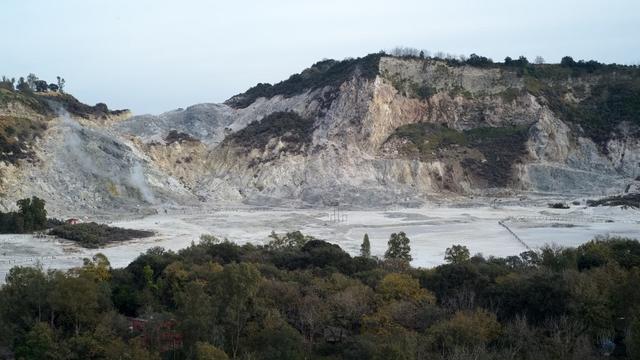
[(431, 229)]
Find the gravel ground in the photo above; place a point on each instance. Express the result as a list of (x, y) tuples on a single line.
[(431, 229)]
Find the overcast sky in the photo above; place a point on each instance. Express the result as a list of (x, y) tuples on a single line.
[(156, 55)]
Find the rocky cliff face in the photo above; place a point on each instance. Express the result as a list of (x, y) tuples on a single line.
[(420, 127), (69, 156), (369, 131)]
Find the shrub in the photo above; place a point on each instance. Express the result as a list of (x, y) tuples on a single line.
[(324, 73), (631, 200), (94, 235), (290, 127), (558, 205), (465, 329)]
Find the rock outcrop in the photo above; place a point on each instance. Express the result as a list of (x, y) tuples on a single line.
[(364, 132)]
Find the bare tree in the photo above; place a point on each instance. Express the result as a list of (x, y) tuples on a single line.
[(539, 60), (31, 81), (402, 51), (61, 83)]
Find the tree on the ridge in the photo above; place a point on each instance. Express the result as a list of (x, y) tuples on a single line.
[(61, 83), (31, 81), (567, 61), (23, 85), (365, 248), (41, 86), (398, 247)]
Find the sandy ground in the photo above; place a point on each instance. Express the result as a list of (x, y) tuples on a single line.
[(431, 229)]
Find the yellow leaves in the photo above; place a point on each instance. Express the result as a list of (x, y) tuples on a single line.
[(380, 323), (403, 297), (112, 188), (98, 267), (396, 286), (176, 272), (206, 351), (466, 328)]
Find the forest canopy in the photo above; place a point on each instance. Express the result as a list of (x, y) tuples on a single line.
[(299, 297)]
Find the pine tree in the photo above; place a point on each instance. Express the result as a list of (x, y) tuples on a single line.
[(398, 247), (23, 85), (365, 248)]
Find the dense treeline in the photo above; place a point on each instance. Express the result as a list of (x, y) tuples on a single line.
[(32, 84), (31, 216), (47, 99), (599, 111), (321, 74), (627, 200), (538, 64), (302, 298)]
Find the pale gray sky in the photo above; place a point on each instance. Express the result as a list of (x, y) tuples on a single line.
[(155, 55)]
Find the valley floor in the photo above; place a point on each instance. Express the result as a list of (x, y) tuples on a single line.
[(431, 229)]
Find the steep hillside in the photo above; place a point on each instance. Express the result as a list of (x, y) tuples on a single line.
[(59, 149), (395, 129), (384, 129), (365, 132)]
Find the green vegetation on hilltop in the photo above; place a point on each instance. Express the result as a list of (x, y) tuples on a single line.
[(75, 107), (606, 95), (613, 101), (321, 74), (595, 98), (539, 67), (35, 94), (308, 299)]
